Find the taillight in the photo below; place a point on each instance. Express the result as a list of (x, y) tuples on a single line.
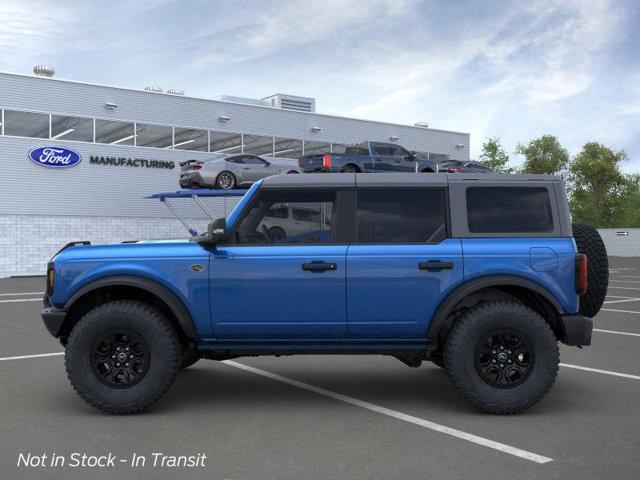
[(581, 273), (196, 167), (454, 170), (298, 162), (326, 161)]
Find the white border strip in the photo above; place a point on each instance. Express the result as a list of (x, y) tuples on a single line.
[(21, 293), (39, 355), (485, 442), (619, 311), (616, 332), (597, 370), (622, 301), (16, 300)]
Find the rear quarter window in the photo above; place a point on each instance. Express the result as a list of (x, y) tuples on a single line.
[(509, 210)]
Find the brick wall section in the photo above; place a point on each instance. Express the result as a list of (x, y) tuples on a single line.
[(27, 242)]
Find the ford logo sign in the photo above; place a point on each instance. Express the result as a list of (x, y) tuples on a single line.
[(57, 157)]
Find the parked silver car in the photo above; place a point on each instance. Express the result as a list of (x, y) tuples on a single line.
[(230, 171)]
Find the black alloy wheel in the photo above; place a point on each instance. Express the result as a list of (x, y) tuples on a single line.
[(120, 359)]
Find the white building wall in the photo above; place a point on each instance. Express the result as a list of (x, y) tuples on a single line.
[(28, 242), (620, 245)]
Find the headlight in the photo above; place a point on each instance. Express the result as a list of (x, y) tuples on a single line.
[(49, 278)]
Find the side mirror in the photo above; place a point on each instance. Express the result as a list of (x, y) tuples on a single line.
[(216, 233), (267, 164)]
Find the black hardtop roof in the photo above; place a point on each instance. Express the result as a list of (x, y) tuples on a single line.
[(344, 180)]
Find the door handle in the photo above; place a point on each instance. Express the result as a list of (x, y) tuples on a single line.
[(435, 265), (319, 266)]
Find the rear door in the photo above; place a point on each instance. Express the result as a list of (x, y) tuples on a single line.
[(282, 280), (402, 264)]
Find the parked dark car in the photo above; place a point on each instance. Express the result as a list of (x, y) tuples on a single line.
[(461, 166), (368, 157)]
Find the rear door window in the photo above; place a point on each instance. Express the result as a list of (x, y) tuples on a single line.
[(509, 210), (401, 216)]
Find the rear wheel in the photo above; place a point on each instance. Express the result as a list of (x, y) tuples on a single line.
[(589, 242), (349, 169), (277, 233), (225, 180), (122, 356), (502, 357)]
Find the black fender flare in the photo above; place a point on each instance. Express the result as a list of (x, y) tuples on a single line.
[(167, 296), (439, 319)]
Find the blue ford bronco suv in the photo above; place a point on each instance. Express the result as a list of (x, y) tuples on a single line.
[(480, 274)]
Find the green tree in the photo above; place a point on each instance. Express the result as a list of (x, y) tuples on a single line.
[(544, 155), (631, 210), (599, 190), (494, 156)]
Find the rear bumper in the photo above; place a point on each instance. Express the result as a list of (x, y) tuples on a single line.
[(576, 330), (53, 319)]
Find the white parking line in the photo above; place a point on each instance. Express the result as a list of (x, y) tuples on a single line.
[(400, 416), (625, 281), (597, 370), (16, 300), (616, 332), (39, 355), (621, 301), (21, 293), (627, 276), (623, 288), (619, 311)]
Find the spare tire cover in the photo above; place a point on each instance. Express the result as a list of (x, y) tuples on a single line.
[(589, 242)]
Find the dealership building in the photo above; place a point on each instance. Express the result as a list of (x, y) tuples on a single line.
[(129, 144)]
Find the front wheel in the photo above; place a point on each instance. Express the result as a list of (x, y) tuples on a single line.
[(122, 356), (502, 357)]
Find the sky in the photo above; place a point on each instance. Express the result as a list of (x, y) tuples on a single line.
[(513, 70)]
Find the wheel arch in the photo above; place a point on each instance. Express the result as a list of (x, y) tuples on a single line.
[(530, 293), (353, 165), (132, 287)]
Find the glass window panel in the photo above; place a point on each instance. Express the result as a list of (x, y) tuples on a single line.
[(509, 210), (26, 124), (115, 133), (288, 217), (190, 139), (401, 216), (339, 147), (158, 136), (72, 128), (287, 148), (258, 145), (224, 142), (312, 147)]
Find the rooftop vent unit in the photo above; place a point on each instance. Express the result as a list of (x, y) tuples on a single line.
[(422, 124), (153, 88), (175, 91), (44, 71), (292, 102), (244, 100)]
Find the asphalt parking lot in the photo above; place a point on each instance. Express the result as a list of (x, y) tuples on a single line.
[(337, 417)]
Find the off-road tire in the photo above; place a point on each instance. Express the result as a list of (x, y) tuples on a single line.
[(589, 242), (469, 331), (148, 323), (189, 357)]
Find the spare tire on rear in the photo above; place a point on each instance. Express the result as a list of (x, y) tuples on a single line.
[(589, 242)]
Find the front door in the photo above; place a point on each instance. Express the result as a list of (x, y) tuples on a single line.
[(285, 276), (402, 263)]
